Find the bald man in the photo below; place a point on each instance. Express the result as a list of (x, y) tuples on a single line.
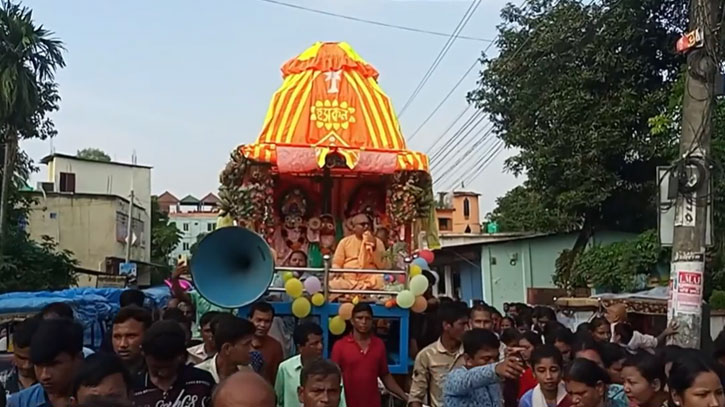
[(244, 389), (361, 250)]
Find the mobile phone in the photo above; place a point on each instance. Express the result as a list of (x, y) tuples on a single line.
[(182, 260)]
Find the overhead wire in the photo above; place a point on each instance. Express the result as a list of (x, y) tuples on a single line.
[(455, 166), (450, 126), (487, 161), (436, 154), (457, 84), (373, 22), (458, 140), (442, 102), (459, 137), (478, 167), (441, 54)]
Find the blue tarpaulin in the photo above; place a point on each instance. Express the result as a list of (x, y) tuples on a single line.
[(92, 307)]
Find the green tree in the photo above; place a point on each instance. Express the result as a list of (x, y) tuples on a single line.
[(572, 89), (165, 236), (521, 210), (616, 266), (95, 154), (27, 265), (29, 56)]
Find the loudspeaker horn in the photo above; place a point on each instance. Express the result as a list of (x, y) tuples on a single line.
[(232, 267)]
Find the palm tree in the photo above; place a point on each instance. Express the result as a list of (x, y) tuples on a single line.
[(29, 56)]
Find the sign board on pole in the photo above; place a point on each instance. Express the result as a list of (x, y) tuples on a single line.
[(666, 213), (686, 289)]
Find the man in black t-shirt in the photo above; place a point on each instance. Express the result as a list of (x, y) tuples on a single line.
[(168, 381)]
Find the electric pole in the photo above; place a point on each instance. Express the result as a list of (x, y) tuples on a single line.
[(692, 172)]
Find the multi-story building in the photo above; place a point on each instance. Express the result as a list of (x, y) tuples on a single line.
[(84, 207), (458, 213), (194, 218)]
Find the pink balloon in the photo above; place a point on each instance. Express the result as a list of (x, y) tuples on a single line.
[(313, 285), (427, 255)]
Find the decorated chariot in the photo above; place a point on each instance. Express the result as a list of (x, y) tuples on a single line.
[(331, 149)]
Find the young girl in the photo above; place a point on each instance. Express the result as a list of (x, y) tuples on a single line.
[(527, 342), (586, 384), (550, 391), (694, 382), (644, 380)]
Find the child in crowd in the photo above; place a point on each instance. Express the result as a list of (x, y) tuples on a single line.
[(550, 391)]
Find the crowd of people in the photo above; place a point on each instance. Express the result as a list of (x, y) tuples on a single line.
[(479, 357)]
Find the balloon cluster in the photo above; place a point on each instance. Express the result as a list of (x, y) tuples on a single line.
[(413, 298), (344, 313), (301, 305)]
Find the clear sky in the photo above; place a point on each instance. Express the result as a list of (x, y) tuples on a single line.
[(183, 82)]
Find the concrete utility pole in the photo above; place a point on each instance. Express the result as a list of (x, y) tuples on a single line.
[(689, 238)]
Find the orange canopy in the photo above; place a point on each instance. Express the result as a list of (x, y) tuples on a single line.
[(330, 102)]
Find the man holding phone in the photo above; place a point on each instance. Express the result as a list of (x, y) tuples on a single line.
[(478, 382)]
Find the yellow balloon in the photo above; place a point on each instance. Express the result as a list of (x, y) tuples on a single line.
[(345, 311), (318, 300), (415, 270), (337, 325), (287, 276), (224, 221), (301, 307), (355, 300), (293, 287)]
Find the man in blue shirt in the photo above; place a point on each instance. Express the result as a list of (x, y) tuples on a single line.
[(477, 384), (56, 352)]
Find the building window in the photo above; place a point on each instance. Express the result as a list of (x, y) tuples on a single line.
[(186, 227), (67, 182), (444, 224), (185, 246), (466, 208), (210, 227)]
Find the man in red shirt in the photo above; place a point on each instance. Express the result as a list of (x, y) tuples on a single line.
[(362, 359)]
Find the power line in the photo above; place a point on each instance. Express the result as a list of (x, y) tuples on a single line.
[(461, 136), (450, 126), (441, 54), (475, 62), (494, 152), (477, 168), (445, 148), (456, 166), (373, 22), (450, 92)]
